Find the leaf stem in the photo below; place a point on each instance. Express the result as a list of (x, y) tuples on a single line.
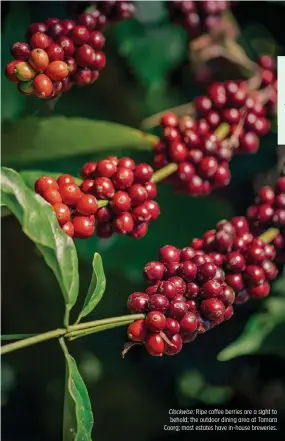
[(83, 328)]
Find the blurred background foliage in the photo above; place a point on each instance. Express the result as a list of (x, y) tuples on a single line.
[(147, 71)]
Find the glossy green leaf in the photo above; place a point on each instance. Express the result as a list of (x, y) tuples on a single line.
[(39, 223), (258, 332), (78, 416), (96, 288), (41, 139)]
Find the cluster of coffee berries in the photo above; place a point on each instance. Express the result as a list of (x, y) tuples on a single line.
[(268, 80), (104, 13), (246, 259), (194, 289), (187, 296), (231, 102), (115, 196), (269, 211), (202, 161), (197, 17), (58, 54)]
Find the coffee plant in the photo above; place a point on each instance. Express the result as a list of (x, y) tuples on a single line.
[(116, 192)]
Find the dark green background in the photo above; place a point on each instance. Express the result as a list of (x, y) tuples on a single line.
[(130, 397)]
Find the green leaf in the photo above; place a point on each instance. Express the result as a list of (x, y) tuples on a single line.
[(40, 224), (258, 333), (96, 288), (41, 139), (78, 416)]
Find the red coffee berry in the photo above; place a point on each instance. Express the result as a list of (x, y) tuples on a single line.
[(155, 321), (105, 168), (43, 86), (52, 196), (168, 289), (57, 70), (123, 178), (158, 302), (87, 20), (187, 253), (67, 46), (10, 71), (123, 223), (138, 194), (188, 323), (188, 271), (254, 274), (169, 253), (55, 52), (210, 289), (70, 194), (137, 331), (138, 302), (45, 183), (155, 345), (87, 205), (99, 61), (171, 326), (153, 209), (177, 309), (85, 55), (212, 309), (121, 202), (143, 173), (80, 35), (270, 269), (72, 66), (235, 281), (65, 179), (68, 25), (139, 231), (20, 51), (88, 170), (103, 188), (83, 226), (68, 228), (39, 40), (176, 345), (154, 271), (227, 295), (37, 27), (96, 40), (141, 213), (206, 271), (62, 213), (259, 291), (208, 166)]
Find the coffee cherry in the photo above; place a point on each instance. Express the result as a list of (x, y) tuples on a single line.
[(70, 194), (85, 56), (87, 205), (212, 309), (139, 231), (138, 302), (171, 326), (66, 45), (155, 321), (176, 345), (39, 40), (177, 309), (138, 194), (57, 70), (83, 226), (103, 188), (26, 87), (52, 197), (123, 223), (270, 270), (188, 323), (72, 66), (143, 173), (168, 289), (153, 209), (235, 262), (36, 27), (65, 179), (169, 253), (259, 291), (154, 271), (137, 331), (235, 281), (20, 51), (210, 289), (206, 271), (55, 52), (45, 183), (99, 61), (187, 253), (96, 40), (62, 213), (68, 229), (39, 59), (105, 168), (10, 71), (80, 35), (188, 271), (158, 302), (24, 71), (155, 345), (227, 295), (43, 86), (121, 202), (88, 170), (254, 274), (87, 20), (141, 213), (123, 178)]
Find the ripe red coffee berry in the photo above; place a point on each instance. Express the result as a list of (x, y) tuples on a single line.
[(192, 290), (39, 59), (168, 254), (45, 183), (137, 331), (154, 271), (68, 229), (52, 196), (227, 295), (80, 35), (139, 231), (206, 272), (254, 275), (155, 345), (153, 209), (123, 223), (235, 281), (120, 202), (43, 86), (138, 302), (177, 309), (103, 188), (123, 178), (158, 302), (235, 262), (57, 70), (88, 170), (71, 64), (70, 194), (260, 291), (105, 168), (155, 321), (143, 173), (179, 284), (141, 213), (99, 61), (87, 205), (176, 345), (55, 52), (188, 271), (210, 289), (85, 55), (138, 194), (65, 179), (36, 27), (83, 226), (212, 309), (168, 289), (171, 326), (62, 213), (188, 323), (10, 71), (39, 40), (20, 51)]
